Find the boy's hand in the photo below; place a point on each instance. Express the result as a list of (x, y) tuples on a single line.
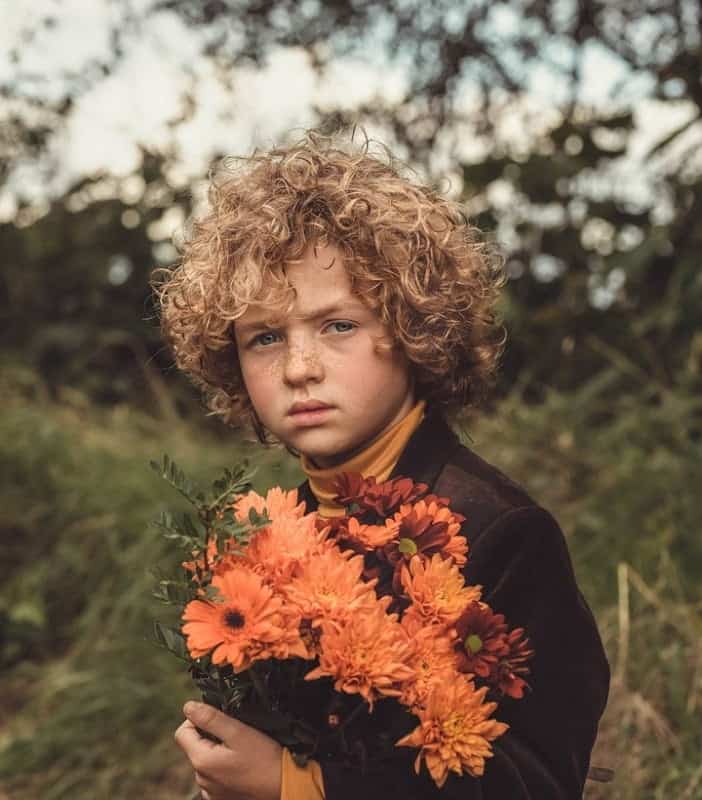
[(246, 766)]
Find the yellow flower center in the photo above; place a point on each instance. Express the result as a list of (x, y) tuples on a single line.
[(473, 643), (407, 547), (453, 725)]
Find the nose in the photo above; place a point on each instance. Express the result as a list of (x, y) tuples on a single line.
[(303, 364)]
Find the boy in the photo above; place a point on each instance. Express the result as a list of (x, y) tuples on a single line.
[(344, 311)]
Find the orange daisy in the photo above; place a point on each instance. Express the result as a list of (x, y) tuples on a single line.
[(432, 660), (455, 731), (369, 537), (437, 589), (330, 587), (277, 503), (367, 655), (277, 551), (245, 624)]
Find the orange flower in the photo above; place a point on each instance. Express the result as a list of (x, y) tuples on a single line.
[(276, 552), (330, 587), (432, 660), (199, 562), (425, 528), (434, 508), (246, 623), (437, 589), (277, 503), (217, 562), (457, 549), (455, 731), (367, 655), (369, 537), (336, 526)]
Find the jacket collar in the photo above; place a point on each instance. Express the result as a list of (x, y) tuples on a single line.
[(426, 453)]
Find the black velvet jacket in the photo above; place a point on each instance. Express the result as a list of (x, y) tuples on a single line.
[(518, 554)]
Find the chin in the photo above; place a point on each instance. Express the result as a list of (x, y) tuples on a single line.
[(316, 445)]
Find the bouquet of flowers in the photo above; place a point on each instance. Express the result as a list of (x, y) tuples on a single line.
[(347, 637)]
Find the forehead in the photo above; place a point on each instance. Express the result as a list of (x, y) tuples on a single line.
[(319, 284), (320, 271)]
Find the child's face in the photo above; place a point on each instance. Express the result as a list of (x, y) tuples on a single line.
[(324, 351)]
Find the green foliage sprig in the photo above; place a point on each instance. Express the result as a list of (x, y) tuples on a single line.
[(211, 520)]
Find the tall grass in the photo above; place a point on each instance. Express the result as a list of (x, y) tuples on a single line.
[(90, 705)]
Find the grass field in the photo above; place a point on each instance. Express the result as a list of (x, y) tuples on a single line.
[(89, 705)]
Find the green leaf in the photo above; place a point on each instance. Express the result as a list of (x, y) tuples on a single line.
[(172, 639), (173, 592), (180, 529), (171, 473), (258, 520)]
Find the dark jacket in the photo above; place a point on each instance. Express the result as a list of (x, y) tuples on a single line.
[(518, 554)]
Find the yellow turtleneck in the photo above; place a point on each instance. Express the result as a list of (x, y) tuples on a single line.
[(378, 458), (300, 783)]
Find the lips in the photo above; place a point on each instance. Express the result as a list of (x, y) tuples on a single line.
[(310, 414), (306, 406)]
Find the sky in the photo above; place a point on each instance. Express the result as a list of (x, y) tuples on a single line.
[(134, 105)]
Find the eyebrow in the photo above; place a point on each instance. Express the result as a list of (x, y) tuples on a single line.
[(335, 308)]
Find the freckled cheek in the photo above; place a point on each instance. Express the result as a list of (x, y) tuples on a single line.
[(262, 382)]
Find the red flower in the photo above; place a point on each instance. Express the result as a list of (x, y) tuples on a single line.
[(350, 487), (481, 640), (485, 648), (334, 527), (381, 498), (509, 669), (422, 530)]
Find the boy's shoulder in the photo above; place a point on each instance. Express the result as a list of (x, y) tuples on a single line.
[(503, 523), (477, 489)]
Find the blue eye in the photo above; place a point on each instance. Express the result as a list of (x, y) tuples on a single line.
[(264, 339), (349, 326)]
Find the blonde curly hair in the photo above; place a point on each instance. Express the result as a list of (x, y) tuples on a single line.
[(410, 254)]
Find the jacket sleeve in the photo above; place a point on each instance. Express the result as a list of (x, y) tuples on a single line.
[(522, 562)]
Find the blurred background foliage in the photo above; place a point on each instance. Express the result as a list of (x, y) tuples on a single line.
[(598, 410)]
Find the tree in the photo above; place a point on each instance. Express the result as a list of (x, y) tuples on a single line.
[(601, 244)]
